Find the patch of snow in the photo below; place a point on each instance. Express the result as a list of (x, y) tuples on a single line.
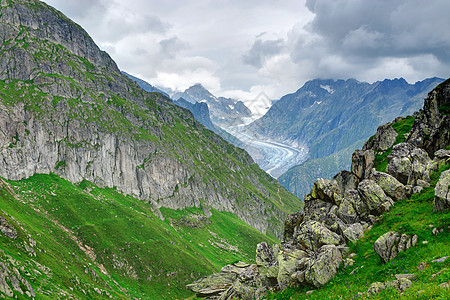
[(231, 106), (327, 88), (311, 94)]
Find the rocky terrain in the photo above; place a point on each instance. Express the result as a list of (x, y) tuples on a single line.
[(394, 164), (67, 109)]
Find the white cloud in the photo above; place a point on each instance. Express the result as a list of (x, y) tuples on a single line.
[(242, 48)]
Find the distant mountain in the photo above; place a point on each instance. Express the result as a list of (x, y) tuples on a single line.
[(330, 115), (200, 111), (145, 85), (224, 112)]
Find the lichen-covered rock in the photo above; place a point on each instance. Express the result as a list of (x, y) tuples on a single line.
[(324, 266), (442, 192), (324, 189), (313, 235), (362, 163), (374, 197), (214, 284), (386, 245), (351, 208), (399, 284), (266, 260), (354, 232), (431, 130), (391, 186), (383, 139), (409, 164), (316, 209), (290, 261), (290, 223), (391, 243), (346, 181)]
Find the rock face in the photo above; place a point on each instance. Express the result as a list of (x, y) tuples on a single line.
[(442, 192), (431, 130), (383, 139), (65, 108), (391, 243), (409, 164)]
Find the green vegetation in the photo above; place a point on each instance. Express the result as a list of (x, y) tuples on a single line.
[(411, 216), (402, 127), (143, 255)]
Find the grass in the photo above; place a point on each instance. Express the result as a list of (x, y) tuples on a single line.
[(145, 256), (402, 127)]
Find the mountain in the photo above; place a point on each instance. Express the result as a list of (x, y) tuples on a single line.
[(330, 115), (145, 85), (107, 189), (326, 117), (224, 112), (300, 179), (378, 231)]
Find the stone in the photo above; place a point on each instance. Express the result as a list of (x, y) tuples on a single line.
[(445, 285), (289, 262), (408, 164), (324, 267), (422, 266), (442, 192), (362, 163), (324, 189), (313, 235), (347, 211), (440, 260), (386, 245), (345, 181), (383, 139), (374, 197), (7, 229), (214, 284), (354, 232), (390, 185), (266, 260), (290, 223), (407, 276)]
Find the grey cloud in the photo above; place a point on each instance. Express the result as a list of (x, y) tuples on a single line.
[(394, 28), (79, 8), (170, 47), (262, 50)]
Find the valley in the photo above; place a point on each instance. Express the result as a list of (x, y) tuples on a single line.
[(273, 157)]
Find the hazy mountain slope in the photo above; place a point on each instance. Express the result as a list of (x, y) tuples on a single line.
[(145, 85), (300, 179), (328, 115), (67, 109)]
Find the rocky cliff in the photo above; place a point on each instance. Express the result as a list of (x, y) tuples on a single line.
[(67, 109), (344, 209)]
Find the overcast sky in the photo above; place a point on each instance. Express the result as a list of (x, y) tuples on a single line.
[(240, 48)]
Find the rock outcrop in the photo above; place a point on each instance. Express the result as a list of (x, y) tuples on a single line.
[(391, 243), (442, 192)]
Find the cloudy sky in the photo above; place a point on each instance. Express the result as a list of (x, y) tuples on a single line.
[(240, 48)]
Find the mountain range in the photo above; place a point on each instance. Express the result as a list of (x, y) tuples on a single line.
[(106, 187)]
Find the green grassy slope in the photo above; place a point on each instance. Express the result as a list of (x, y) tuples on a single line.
[(79, 230)]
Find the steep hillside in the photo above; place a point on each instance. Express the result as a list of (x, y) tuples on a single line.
[(380, 230), (145, 85), (68, 110), (65, 241)]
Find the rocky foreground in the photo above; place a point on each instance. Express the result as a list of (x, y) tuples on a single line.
[(341, 210)]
